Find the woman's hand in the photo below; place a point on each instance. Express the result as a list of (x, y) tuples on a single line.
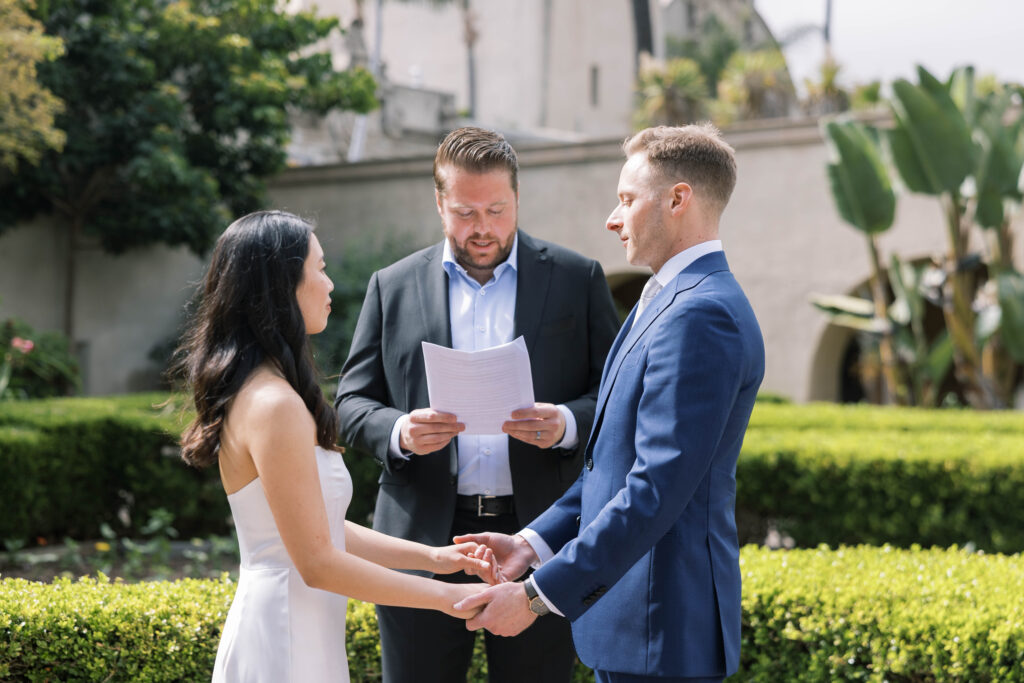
[(493, 574), (472, 558), (457, 592)]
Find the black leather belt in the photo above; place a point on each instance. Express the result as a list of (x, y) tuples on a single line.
[(486, 506)]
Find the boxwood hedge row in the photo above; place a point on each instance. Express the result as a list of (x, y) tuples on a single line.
[(852, 614), (69, 465), (820, 473), (849, 486)]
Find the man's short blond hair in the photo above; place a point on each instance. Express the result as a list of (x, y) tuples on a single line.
[(695, 154)]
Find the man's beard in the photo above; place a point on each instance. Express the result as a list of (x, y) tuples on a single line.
[(464, 258)]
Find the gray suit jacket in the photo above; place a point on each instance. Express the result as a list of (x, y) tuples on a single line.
[(565, 312)]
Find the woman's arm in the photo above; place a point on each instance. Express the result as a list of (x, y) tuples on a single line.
[(399, 553), (280, 436)]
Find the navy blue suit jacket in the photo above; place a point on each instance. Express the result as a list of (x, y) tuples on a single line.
[(647, 556)]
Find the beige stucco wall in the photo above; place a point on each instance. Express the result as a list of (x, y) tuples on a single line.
[(782, 236), (423, 45), (124, 305)]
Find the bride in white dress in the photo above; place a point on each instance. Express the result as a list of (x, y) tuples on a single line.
[(261, 416)]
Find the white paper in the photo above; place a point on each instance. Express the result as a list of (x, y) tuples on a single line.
[(481, 388)]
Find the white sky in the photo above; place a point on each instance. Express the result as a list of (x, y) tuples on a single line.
[(886, 39)]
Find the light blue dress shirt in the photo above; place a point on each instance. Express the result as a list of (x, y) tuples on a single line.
[(482, 316)]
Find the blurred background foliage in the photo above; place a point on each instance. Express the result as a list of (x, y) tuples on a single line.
[(960, 141), (189, 119)]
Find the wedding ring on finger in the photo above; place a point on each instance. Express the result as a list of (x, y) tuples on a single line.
[(537, 438)]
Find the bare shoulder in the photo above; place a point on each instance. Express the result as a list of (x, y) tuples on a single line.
[(268, 402)]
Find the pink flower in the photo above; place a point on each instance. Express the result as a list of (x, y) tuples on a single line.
[(23, 345)]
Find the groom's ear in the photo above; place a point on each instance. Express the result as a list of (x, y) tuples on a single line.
[(681, 196)]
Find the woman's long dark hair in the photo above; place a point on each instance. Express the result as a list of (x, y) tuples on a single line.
[(248, 314)]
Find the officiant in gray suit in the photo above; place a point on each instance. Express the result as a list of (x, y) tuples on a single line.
[(485, 284)]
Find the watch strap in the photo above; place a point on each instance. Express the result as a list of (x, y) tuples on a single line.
[(537, 605)]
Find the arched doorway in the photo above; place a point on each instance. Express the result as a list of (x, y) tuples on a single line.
[(846, 367)]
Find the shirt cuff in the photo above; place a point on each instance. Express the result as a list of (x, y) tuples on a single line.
[(394, 450), (570, 439), (539, 545)]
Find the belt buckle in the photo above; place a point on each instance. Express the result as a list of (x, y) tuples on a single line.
[(480, 507)]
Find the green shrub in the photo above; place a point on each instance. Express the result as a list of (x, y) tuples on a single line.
[(67, 466), (856, 613), (867, 419), (820, 473), (49, 369), (881, 614), (94, 630), (847, 475)]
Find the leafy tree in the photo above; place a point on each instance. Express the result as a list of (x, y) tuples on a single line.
[(176, 112), (27, 109)]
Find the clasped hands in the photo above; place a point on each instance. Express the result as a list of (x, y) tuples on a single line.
[(502, 608), (428, 430)]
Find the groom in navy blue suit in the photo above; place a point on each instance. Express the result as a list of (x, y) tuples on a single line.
[(641, 553)]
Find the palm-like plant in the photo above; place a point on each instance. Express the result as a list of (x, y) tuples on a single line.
[(754, 85), (964, 145), (670, 93)]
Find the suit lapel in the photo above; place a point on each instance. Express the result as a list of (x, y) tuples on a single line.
[(432, 288), (532, 280), (631, 333), (433, 295)]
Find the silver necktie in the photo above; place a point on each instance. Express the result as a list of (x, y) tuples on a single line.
[(651, 290)]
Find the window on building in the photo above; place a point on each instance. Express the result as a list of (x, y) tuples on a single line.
[(691, 16), (595, 77), (748, 32)]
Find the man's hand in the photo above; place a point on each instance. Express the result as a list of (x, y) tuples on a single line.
[(428, 430), (513, 553), (506, 610), (543, 425)]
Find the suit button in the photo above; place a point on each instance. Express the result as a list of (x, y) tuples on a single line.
[(590, 463), (577, 520)]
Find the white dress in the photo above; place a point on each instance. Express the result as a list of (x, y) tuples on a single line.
[(279, 630)]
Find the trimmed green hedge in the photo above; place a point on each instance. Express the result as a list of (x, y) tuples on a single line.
[(881, 614), (820, 473), (861, 417), (69, 465), (859, 613), (847, 475)]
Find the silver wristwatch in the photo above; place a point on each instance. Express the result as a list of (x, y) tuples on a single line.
[(537, 605)]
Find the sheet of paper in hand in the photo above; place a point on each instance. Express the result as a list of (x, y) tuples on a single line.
[(481, 388)]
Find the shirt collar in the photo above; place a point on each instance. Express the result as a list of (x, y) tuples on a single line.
[(512, 262), (683, 259)]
